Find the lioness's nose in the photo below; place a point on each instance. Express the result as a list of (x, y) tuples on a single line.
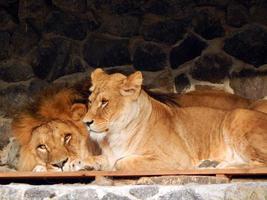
[(61, 163), (89, 123)]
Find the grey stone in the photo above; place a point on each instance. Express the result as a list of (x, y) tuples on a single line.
[(24, 39), (33, 12), (258, 14), (217, 3), (10, 193), (70, 5), (144, 192), (167, 31), (249, 83), (207, 24), (112, 196), (181, 82), (188, 49), (237, 15), (126, 26), (187, 194), (4, 44), (103, 51), (38, 193), (66, 24), (212, 67), (13, 98), (7, 22), (80, 194), (5, 131), (13, 71), (249, 45), (149, 57), (51, 58)]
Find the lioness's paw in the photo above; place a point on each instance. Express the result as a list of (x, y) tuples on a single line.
[(79, 165), (39, 168)]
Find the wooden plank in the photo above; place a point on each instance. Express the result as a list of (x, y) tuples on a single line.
[(214, 172)]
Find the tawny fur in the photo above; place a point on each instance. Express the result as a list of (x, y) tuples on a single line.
[(138, 132), (54, 113)]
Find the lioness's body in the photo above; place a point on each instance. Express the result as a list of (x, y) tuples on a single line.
[(137, 132)]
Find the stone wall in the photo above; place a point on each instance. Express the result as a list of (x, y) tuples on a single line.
[(178, 45), (235, 191)]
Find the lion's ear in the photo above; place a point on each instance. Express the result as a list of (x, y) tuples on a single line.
[(96, 74), (78, 111), (132, 85)]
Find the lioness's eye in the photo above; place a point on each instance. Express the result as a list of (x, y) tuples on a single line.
[(41, 147), (67, 138), (104, 102)]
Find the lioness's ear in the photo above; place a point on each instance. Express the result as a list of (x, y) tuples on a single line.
[(96, 74), (132, 84), (78, 111)]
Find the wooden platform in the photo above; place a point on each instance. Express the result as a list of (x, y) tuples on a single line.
[(262, 172)]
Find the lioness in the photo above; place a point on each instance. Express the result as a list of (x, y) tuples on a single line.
[(51, 133), (138, 132)]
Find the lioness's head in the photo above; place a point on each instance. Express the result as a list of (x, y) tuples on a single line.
[(110, 99)]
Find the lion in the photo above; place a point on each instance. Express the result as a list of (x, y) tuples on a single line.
[(138, 132), (51, 133)]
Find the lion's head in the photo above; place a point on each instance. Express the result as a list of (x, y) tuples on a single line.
[(110, 99), (51, 132)]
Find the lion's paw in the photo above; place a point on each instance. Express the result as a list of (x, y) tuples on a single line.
[(80, 165), (39, 168)]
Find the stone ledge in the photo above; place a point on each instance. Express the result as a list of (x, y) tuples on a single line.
[(251, 190)]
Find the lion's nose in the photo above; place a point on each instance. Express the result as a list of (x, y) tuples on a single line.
[(89, 123), (61, 163)]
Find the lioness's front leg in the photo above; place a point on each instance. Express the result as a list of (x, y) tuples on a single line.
[(91, 163)]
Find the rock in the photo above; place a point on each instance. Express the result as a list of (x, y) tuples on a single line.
[(13, 98), (249, 45), (258, 14), (4, 44), (181, 83), (66, 24), (37, 85), (34, 12), (5, 133), (149, 57), (161, 81), (249, 83), (13, 71), (181, 180), (187, 50), (212, 67), (168, 31), (187, 194), (124, 26), (72, 79), (7, 22), (70, 5), (208, 25), (9, 155), (38, 193), (158, 7), (81, 194), (24, 39), (10, 193), (111, 196), (237, 15), (126, 70), (217, 3), (144, 192), (51, 58), (103, 51)]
